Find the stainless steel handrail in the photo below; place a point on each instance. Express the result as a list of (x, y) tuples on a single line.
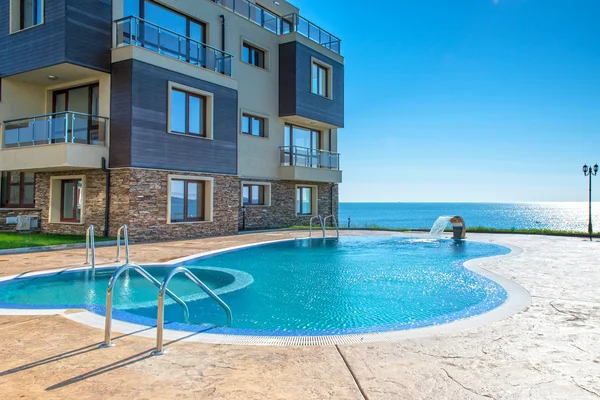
[(320, 221), (297, 156), (174, 33), (126, 239), (54, 114), (334, 219), (90, 243), (109, 298), (160, 325), (293, 21)]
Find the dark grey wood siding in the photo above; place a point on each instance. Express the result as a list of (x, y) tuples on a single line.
[(295, 97), (75, 31), (150, 144), (287, 79), (120, 114), (89, 33), (34, 48)]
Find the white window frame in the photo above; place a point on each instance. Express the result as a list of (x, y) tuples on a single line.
[(315, 200), (210, 97), (209, 185), (267, 194), (329, 70)]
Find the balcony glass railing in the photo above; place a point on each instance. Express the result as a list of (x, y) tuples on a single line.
[(296, 156), (282, 25), (135, 31), (295, 23), (63, 127)]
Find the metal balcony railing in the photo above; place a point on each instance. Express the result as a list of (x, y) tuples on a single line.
[(138, 32), (296, 156), (61, 127), (254, 13), (296, 23), (282, 25)]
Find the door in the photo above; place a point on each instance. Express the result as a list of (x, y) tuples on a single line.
[(82, 125)]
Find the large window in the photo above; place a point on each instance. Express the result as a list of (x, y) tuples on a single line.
[(252, 125), (304, 200), (188, 113), (302, 146), (254, 195), (70, 200), (188, 200), (302, 137), (320, 80), (18, 189), (253, 55), (167, 41), (31, 12)]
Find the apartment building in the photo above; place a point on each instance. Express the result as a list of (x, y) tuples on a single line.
[(180, 118)]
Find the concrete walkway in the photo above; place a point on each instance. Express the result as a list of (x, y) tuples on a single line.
[(549, 351)]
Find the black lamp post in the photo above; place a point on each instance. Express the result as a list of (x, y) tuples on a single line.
[(590, 171), (244, 218)]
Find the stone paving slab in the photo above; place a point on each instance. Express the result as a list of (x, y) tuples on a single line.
[(551, 350)]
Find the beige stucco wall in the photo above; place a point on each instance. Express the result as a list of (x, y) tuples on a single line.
[(21, 99), (258, 89)]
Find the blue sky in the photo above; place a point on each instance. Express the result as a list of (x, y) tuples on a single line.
[(470, 100)]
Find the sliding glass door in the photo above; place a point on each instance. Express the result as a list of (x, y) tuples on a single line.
[(80, 127)]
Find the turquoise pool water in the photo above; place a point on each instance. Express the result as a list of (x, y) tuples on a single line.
[(301, 287)]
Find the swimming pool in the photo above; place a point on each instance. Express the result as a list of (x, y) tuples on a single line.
[(293, 288)]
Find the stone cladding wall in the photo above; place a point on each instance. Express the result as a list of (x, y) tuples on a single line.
[(282, 211)]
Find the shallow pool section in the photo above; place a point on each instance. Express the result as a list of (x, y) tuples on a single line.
[(300, 287)]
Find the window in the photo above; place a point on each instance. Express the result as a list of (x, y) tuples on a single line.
[(304, 200), (320, 80), (70, 200), (254, 195), (253, 55), (31, 12), (84, 100), (18, 189), (151, 37), (188, 200), (254, 126), (188, 113), (302, 146)]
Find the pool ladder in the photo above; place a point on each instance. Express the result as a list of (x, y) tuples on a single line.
[(323, 223), (320, 222), (162, 289), (90, 246), (335, 224)]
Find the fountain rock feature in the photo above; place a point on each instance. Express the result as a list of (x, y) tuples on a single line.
[(458, 227)]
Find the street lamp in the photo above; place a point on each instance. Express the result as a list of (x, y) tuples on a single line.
[(590, 171)]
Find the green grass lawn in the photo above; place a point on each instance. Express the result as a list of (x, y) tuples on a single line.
[(13, 240)]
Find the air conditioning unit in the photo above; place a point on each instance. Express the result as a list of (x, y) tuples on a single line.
[(27, 222)]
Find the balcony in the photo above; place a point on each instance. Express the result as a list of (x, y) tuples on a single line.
[(282, 25), (304, 164), (295, 23), (138, 32), (54, 141)]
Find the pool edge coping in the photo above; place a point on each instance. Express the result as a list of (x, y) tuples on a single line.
[(518, 299)]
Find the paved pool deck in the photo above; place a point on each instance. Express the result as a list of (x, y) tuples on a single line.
[(550, 350)]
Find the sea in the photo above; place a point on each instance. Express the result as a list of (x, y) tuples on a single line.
[(567, 216)]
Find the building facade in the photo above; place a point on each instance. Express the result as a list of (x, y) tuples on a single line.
[(179, 118)]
